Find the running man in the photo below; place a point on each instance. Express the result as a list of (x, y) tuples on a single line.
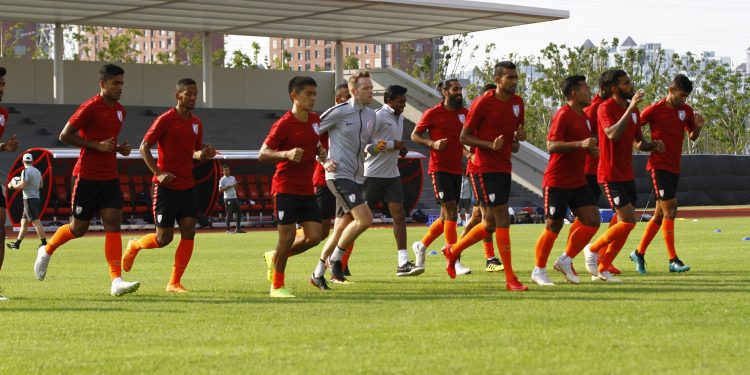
[(10, 145), (94, 128), (382, 177), (568, 142), (228, 186), (178, 136), (619, 130), (668, 120), (31, 182), (495, 128), (348, 126), (443, 123), (292, 143)]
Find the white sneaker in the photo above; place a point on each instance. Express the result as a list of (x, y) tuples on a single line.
[(3, 298), (42, 261), (592, 260), (460, 269), (539, 276), (121, 287), (565, 266), (419, 251), (606, 276)]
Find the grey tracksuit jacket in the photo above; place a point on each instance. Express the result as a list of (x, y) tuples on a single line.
[(349, 126)]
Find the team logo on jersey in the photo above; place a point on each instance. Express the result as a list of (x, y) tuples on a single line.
[(635, 118), (616, 200), (195, 128), (516, 110), (158, 218), (462, 118), (552, 210), (79, 209), (588, 124), (661, 192), (681, 115), (369, 125), (316, 128), (281, 215), (352, 198), (492, 197), (440, 194), (2, 120), (119, 115)]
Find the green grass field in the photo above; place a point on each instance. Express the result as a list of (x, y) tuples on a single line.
[(662, 323)]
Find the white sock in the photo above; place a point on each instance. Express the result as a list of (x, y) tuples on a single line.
[(403, 257), (320, 269), (338, 254)]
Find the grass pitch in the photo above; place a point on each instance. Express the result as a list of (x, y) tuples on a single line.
[(661, 323)]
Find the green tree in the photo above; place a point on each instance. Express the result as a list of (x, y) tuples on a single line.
[(240, 60), (351, 62), (11, 38), (120, 48)]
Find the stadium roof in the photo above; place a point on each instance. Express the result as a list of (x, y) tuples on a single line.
[(376, 21)]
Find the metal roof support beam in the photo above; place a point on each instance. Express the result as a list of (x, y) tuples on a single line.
[(208, 86), (339, 63), (57, 65)]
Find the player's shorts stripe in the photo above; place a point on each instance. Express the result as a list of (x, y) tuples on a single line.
[(609, 196)]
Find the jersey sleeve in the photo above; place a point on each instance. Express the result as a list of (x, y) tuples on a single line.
[(556, 130), (605, 117), (328, 120), (425, 122), (155, 132), (475, 114), (81, 118), (647, 115), (275, 136)]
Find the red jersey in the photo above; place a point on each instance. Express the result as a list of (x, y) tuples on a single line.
[(470, 167), (616, 157), (592, 162), (95, 122), (286, 134), (566, 170), (3, 120), (177, 138), (319, 176), (668, 125), (444, 123), (490, 118)]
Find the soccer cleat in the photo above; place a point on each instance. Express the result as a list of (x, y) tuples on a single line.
[(592, 260), (319, 282), (539, 276), (494, 265), (419, 251), (128, 257), (450, 259), (613, 270), (337, 274), (515, 286), (12, 245), (409, 269), (607, 277), (268, 257), (121, 287), (676, 265), (567, 269), (239, 231), (3, 298), (281, 293), (176, 288), (346, 271), (461, 269), (640, 262), (41, 263)]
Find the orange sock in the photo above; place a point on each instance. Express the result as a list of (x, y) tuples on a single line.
[(61, 236), (146, 242), (579, 238), (181, 259), (668, 231), (573, 227), (475, 235), (345, 258), (449, 230), (544, 247), (612, 234), (435, 230), (502, 237), (612, 222), (651, 229), (489, 250), (278, 280), (113, 253), (616, 245)]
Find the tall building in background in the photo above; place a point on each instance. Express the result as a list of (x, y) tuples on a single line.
[(317, 54)]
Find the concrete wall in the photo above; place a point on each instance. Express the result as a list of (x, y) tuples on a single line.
[(30, 81)]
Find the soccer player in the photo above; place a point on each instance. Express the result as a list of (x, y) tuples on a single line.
[(382, 177), (292, 143), (443, 123), (94, 128), (569, 141), (348, 126), (31, 181), (495, 128), (228, 186), (178, 136), (619, 130), (668, 119), (9, 145)]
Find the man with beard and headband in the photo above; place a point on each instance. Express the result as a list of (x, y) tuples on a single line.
[(443, 123), (495, 128), (619, 130), (348, 125), (178, 135)]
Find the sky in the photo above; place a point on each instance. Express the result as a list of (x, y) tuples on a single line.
[(722, 26)]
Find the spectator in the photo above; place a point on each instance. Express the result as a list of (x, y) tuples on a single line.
[(228, 185), (30, 181)]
